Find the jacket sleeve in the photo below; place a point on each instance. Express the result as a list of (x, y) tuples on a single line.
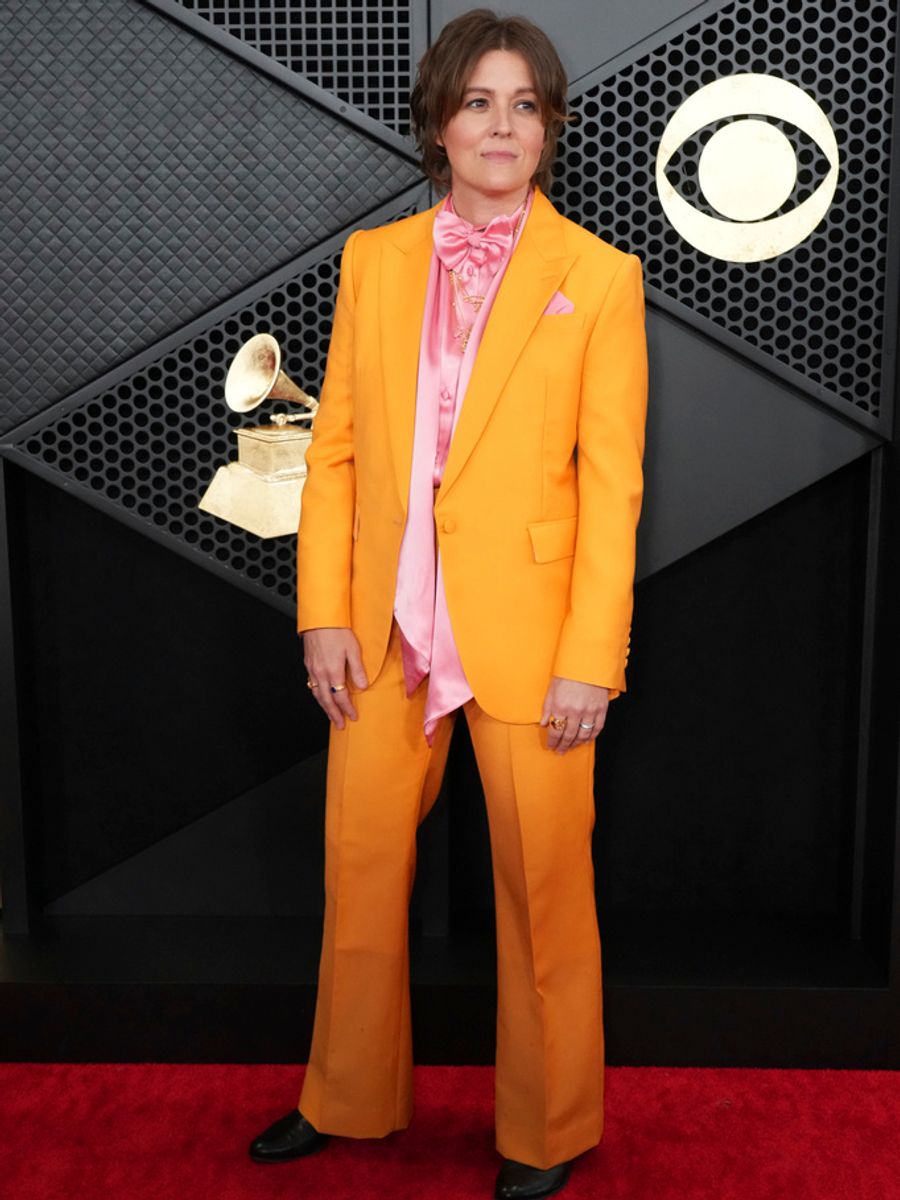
[(596, 632), (324, 539)]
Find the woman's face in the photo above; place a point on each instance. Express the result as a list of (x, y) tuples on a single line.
[(494, 142)]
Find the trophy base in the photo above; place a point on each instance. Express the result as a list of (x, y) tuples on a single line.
[(267, 507)]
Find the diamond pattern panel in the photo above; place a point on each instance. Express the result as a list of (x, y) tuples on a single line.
[(361, 50), (147, 176), (818, 308)]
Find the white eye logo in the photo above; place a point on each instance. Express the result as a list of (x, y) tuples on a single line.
[(747, 169)]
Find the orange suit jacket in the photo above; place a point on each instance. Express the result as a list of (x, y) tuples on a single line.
[(541, 494)]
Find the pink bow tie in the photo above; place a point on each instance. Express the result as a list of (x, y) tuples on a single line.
[(463, 248)]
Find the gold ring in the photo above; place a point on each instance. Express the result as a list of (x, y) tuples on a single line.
[(339, 687), (310, 684), (558, 722)]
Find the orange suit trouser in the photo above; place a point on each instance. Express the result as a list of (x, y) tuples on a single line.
[(382, 780)]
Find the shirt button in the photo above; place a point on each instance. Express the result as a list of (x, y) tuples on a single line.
[(449, 525)]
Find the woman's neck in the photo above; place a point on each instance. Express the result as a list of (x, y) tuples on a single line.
[(478, 209)]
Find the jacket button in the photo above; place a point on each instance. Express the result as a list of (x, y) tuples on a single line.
[(449, 525)]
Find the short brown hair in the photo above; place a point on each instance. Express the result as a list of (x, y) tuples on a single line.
[(445, 69)]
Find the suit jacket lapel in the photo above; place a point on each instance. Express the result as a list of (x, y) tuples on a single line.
[(537, 267), (405, 264)]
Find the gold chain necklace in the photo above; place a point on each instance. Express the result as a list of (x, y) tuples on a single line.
[(463, 331)]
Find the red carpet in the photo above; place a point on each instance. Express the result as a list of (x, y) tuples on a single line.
[(164, 1132)]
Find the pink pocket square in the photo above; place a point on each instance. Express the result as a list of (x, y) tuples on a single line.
[(559, 304)]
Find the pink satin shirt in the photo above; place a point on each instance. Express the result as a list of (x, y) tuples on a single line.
[(479, 256)]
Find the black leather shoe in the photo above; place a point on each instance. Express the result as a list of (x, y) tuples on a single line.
[(518, 1181), (291, 1136)]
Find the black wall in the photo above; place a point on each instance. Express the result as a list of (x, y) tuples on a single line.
[(179, 177)]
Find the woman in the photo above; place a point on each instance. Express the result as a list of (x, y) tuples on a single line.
[(467, 541)]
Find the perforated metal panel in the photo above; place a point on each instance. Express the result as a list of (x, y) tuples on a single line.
[(147, 176), (361, 50), (819, 308), (152, 443)]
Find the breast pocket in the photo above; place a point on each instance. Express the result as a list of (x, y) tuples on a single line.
[(561, 323), (558, 333), (555, 348)]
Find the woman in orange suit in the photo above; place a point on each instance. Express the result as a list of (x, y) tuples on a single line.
[(467, 542)]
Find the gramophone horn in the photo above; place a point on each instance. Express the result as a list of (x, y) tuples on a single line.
[(255, 375)]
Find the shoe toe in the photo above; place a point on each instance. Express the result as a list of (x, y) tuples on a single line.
[(519, 1181), (277, 1138), (289, 1137)]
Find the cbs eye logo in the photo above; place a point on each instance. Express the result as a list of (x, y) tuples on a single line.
[(747, 169)]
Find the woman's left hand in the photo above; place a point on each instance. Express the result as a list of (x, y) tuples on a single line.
[(576, 702)]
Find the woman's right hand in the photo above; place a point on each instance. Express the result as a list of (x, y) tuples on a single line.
[(327, 653)]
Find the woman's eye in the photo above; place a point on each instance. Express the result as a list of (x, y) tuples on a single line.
[(480, 102)]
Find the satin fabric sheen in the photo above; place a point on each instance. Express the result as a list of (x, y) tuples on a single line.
[(480, 256)]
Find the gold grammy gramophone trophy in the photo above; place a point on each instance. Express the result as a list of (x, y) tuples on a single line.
[(261, 491)]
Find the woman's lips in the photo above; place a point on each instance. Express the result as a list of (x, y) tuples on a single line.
[(499, 155)]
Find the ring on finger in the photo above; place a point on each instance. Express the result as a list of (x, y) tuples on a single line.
[(310, 684), (585, 725), (339, 687), (558, 722)]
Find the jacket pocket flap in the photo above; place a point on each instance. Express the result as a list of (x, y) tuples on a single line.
[(553, 539)]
